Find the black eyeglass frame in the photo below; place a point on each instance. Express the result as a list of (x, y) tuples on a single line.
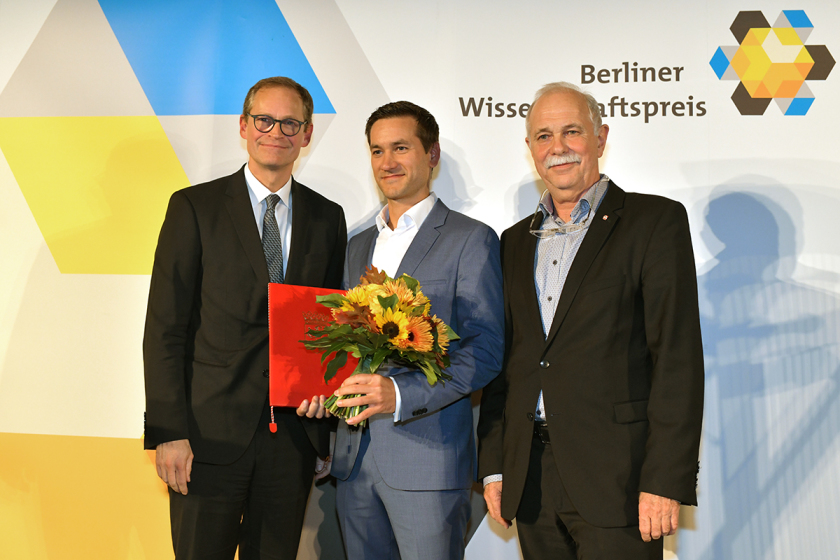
[(300, 124)]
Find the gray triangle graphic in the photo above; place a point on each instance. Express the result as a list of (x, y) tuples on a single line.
[(784, 103), (729, 52), (730, 74), (22, 23), (803, 32), (75, 67), (804, 92), (782, 21)]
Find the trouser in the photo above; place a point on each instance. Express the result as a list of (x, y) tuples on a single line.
[(383, 523), (550, 527), (256, 503)]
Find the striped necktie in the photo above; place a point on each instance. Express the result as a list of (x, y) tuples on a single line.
[(272, 242)]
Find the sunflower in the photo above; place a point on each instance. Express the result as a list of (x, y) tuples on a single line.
[(419, 335), (440, 333), (373, 292), (393, 324), (354, 299)]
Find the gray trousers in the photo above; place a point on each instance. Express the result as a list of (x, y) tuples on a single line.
[(382, 523)]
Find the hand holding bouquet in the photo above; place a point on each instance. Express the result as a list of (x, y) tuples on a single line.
[(382, 319)]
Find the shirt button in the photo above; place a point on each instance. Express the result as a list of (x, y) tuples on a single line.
[(544, 364), (549, 298), (554, 262)]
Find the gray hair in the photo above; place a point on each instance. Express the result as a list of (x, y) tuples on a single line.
[(566, 87)]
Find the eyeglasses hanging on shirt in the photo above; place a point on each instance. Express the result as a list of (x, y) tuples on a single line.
[(540, 216)]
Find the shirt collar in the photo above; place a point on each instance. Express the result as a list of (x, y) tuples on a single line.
[(261, 192), (590, 200), (414, 216)]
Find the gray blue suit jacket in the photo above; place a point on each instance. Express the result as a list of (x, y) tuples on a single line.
[(456, 260)]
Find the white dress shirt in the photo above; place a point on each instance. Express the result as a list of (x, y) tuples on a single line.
[(392, 245), (258, 192)]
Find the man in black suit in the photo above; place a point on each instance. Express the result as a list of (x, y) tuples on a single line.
[(232, 482), (593, 428)]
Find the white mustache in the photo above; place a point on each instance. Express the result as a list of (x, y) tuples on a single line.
[(551, 161)]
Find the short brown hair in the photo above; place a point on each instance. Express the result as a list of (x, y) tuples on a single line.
[(280, 82), (427, 127)]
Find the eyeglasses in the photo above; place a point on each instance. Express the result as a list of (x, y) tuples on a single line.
[(289, 127), (537, 230)]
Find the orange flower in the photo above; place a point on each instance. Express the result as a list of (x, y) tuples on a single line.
[(419, 335), (405, 297), (440, 333)]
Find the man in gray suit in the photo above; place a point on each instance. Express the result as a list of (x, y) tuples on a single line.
[(404, 482)]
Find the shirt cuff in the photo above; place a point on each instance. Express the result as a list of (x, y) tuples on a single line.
[(398, 401), (492, 478)]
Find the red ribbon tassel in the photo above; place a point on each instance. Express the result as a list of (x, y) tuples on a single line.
[(272, 426)]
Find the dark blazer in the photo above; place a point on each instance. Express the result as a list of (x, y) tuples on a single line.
[(621, 369), (205, 347), (456, 261)]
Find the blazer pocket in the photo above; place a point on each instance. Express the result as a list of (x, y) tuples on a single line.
[(629, 412), (433, 282), (601, 284)]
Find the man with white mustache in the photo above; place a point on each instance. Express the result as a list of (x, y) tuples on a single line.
[(593, 427)]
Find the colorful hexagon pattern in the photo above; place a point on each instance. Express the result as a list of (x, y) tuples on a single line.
[(772, 62)]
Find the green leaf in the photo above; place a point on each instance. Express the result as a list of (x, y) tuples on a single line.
[(451, 334), (388, 302), (331, 300), (410, 282), (335, 364), (430, 373), (379, 357), (341, 330)]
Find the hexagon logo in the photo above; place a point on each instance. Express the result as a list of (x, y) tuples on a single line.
[(772, 62)]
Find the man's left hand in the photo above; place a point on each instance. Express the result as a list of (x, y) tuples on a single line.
[(314, 409), (374, 390), (658, 516)]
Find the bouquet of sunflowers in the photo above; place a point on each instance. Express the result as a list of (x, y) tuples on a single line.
[(381, 319)]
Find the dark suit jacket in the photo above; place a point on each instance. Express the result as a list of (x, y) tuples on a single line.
[(205, 347), (621, 369)]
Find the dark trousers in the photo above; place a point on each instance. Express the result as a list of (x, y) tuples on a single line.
[(256, 503), (550, 527)]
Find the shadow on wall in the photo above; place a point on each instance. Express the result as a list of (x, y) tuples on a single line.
[(772, 410)]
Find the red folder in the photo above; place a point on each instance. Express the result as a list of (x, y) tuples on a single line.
[(296, 373)]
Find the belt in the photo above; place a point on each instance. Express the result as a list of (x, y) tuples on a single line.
[(541, 432)]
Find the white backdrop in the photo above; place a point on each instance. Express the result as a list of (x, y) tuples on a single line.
[(761, 193)]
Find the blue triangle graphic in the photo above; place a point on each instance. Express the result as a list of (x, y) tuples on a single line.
[(797, 18), (719, 63), (200, 57)]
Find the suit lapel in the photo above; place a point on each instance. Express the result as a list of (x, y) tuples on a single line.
[(302, 212), (426, 237), (604, 221), (525, 250), (360, 254), (241, 213)]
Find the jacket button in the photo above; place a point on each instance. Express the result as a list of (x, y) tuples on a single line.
[(265, 373), (544, 364), (530, 416)]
